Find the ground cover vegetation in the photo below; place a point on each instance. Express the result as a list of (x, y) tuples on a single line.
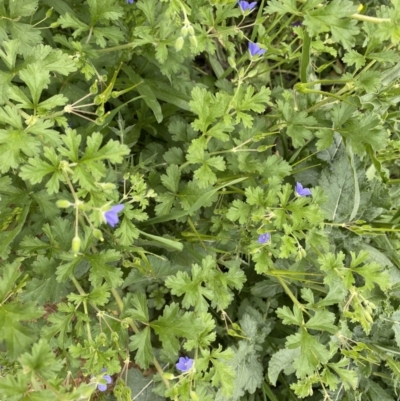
[(199, 200)]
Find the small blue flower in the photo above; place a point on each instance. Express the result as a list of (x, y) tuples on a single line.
[(130, 1), (103, 387), (255, 50), (264, 238), (185, 363), (302, 191), (246, 6), (107, 378), (111, 216)]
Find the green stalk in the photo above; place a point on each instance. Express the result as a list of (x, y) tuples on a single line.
[(305, 57)]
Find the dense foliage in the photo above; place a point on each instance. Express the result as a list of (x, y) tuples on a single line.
[(199, 200)]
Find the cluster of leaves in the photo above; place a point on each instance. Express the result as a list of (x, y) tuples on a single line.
[(158, 106)]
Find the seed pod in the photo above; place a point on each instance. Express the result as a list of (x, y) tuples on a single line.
[(94, 88), (232, 62), (191, 30), (76, 245), (98, 234), (63, 204), (179, 43), (193, 41), (184, 31)]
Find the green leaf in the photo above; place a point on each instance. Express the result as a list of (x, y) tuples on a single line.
[(41, 361), (223, 375), (238, 211), (142, 386), (37, 169), (248, 101), (312, 353), (53, 60), (60, 324), (197, 204), (36, 79), (338, 185), (100, 270), (140, 310), (7, 237), (22, 8), (352, 57), (322, 320), (297, 123), (172, 178), (373, 273), (17, 337), (174, 324), (289, 317), (71, 21), (282, 7), (145, 91), (140, 343), (104, 10), (195, 294), (43, 287), (282, 360), (9, 277), (15, 385), (347, 376), (127, 232), (332, 18), (112, 151)]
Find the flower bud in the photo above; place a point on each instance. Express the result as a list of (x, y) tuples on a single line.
[(114, 337), (193, 41), (100, 111), (190, 30), (127, 394), (54, 25), (252, 73), (63, 204), (184, 31), (179, 43), (49, 12), (232, 62), (98, 234), (102, 339), (76, 245), (94, 88), (169, 376)]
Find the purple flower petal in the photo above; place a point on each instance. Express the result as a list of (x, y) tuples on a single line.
[(246, 6), (264, 238), (111, 216), (185, 363), (130, 1), (107, 378), (255, 50), (302, 191)]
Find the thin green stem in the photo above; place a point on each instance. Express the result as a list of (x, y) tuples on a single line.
[(289, 293), (305, 56), (117, 48), (118, 299), (78, 286), (367, 18)]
